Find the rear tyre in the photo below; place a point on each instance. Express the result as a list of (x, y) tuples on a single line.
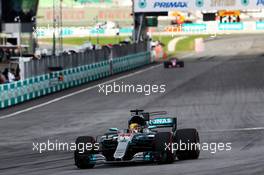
[(187, 137), (84, 158), (161, 140), (181, 64)]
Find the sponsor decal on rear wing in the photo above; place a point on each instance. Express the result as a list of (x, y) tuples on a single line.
[(163, 122)]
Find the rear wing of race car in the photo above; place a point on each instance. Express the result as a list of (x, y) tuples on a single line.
[(164, 123), (160, 122)]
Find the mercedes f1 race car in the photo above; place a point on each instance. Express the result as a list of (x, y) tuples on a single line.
[(150, 137), (173, 63)]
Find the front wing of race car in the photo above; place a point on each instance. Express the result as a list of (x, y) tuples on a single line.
[(140, 157)]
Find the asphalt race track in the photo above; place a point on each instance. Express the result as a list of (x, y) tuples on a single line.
[(222, 95)]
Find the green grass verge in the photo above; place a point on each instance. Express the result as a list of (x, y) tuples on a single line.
[(187, 44), (104, 40), (93, 40), (183, 45)]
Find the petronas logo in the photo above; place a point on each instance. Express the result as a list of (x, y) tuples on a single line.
[(142, 3), (245, 2), (199, 3)]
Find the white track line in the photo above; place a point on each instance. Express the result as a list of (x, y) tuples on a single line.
[(236, 129), (75, 93)]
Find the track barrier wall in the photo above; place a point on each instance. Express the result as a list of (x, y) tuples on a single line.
[(31, 88)]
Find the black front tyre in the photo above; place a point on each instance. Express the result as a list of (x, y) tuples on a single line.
[(83, 159), (189, 138)]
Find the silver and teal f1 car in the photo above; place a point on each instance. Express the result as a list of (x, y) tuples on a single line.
[(146, 139)]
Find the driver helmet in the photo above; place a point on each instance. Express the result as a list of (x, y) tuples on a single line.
[(136, 123), (134, 127)]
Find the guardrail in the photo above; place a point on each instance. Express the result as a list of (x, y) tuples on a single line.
[(39, 67), (31, 88)]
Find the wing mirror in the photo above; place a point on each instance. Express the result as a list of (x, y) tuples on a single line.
[(113, 129), (152, 127)]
